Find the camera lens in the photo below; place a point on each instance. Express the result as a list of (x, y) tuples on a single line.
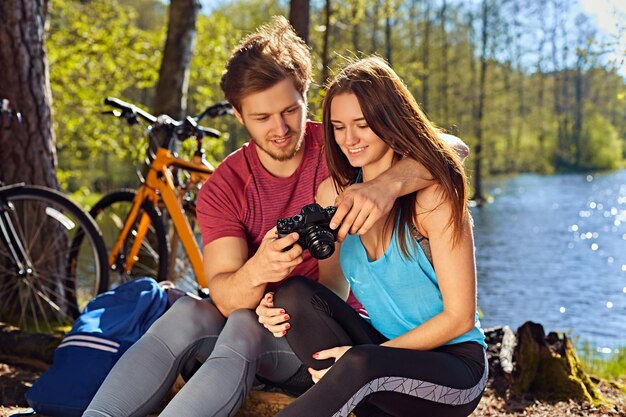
[(320, 242)]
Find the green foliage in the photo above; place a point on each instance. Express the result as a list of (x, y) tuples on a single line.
[(601, 148), (96, 50), (532, 117)]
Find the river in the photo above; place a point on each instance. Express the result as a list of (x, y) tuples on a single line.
[(552, 249)]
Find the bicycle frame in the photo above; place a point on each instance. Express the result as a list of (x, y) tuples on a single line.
[(159, 184)]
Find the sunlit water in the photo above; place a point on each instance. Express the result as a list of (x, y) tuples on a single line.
[(552, 249)]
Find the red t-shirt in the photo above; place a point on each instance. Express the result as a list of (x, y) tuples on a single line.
[(241, 199)]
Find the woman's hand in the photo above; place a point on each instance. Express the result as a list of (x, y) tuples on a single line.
[(273, 319), (336, 352)]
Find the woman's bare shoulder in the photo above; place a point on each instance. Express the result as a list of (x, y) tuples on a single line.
[(326, 193)]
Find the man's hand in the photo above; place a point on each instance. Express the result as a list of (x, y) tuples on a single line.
[(273, 319), (336, 353), (270, 263), (360, 206)]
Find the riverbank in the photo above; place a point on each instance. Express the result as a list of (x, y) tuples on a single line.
[(16, 379)]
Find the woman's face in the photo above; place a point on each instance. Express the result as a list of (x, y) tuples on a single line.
[(357, 141)]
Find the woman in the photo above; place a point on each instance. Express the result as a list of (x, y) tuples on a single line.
[(421, 352)]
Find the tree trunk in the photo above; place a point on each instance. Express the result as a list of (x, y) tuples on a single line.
[(299, 17), (548, 365), (375, 16), (326, 43), (578, 117), (445, 64), (521, 88), (388, 25), (171, 92), (425, 58), (28, 149), (356, 29), (509, 155), (37, 347), (478, 113)]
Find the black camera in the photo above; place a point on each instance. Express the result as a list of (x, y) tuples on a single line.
[(312, 225)]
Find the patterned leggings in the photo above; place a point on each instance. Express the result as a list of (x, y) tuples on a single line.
[(369, 379)]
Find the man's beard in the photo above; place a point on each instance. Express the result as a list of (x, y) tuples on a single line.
[(282, 155)]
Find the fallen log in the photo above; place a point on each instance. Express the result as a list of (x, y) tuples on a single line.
[(35, 346)]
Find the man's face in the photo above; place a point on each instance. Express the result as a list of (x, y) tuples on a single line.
[(275, 119)]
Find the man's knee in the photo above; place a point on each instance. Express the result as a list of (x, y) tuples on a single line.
[(244, 334), (189, 319)]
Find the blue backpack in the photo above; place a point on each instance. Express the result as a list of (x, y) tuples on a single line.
[(109, 325)]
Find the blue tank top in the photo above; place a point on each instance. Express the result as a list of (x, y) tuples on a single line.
[(399, 293)]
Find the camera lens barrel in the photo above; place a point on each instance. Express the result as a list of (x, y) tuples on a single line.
[(320, 242)]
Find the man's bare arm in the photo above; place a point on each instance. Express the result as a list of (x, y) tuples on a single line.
[(236, 281), (361, 205)]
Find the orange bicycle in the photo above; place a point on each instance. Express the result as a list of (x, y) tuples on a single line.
[(152, 231)]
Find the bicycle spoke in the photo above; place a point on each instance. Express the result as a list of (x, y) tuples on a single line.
[(46, 224), (22, 227)]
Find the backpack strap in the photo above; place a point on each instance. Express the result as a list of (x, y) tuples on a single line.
[(423, 242)]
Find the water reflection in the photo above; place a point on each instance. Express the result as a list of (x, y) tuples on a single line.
[(553, 250)]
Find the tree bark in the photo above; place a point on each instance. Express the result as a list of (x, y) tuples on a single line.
[(445, 62), (171, 92), (388, 25), (356, 28), (299, 17), (28, 148), (375, 16), (426, 58), (479, 109), (326, 43), (35, 346), (548, 366)]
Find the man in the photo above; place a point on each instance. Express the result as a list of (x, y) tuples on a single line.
[(272, 176)]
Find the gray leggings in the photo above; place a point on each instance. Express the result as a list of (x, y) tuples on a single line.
[(232, 350)]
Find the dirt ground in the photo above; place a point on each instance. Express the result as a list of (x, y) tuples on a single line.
[(16, 379)]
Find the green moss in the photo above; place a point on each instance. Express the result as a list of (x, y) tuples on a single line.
[(552, 373), (527, 362)]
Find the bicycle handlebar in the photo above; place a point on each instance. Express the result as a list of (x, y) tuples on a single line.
[(129, 111), (184, 129), (216, 110)]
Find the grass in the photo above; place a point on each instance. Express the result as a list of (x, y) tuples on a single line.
[(611, 366)]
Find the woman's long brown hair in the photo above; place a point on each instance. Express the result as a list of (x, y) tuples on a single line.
[(393, 114)]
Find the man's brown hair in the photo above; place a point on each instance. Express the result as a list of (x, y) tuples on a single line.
[(264, 58)]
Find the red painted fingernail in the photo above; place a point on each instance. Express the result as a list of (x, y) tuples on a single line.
[(315, 354), (284, 331), (287, 317), (282, 311), (288, 326)]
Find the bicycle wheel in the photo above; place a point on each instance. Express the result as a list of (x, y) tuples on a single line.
[(180, 270), (64, 275), (110, 214)]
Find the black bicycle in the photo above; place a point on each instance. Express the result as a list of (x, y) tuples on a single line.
[(46, 278)]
